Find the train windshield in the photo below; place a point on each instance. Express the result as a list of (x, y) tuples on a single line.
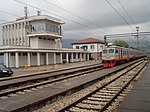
[(105, 51), (111, 50)]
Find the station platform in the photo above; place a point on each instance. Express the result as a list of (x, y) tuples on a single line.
[(53, 67), (138, 100)]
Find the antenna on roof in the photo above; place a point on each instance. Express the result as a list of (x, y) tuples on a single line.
[(26, 12), (38, 13)]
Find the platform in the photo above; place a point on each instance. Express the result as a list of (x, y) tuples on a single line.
[(138, 100), (24, 102)]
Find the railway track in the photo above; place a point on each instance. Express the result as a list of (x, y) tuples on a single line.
[(48, 93), (24, 87), (102, 97)]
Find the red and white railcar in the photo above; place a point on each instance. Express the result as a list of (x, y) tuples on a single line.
[(114, 54)]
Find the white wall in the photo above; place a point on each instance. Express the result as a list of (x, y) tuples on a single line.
[(42, 59), (97, 47), (51, 58), (12, 61), (58, 59), (34, 42), (22, 60), (33, 60), (47, 44)]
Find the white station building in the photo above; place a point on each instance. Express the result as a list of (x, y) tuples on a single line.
[(36, 41), (92, 45)]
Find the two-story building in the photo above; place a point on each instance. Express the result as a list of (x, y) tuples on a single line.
[(92, 45), (35, 41)]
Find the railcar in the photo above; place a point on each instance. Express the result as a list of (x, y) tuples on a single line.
[(114, 55)]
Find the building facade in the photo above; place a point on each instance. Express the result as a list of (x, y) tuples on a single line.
[(35, 41), (94, 46)]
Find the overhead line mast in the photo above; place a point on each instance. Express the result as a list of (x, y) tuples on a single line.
[(137, 34)]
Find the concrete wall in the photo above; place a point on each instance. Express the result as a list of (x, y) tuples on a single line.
[(58, 59), (49, 44), (23, 60), (33, 59), (51, 58), (11, 61), (34, 42), (43, 59)]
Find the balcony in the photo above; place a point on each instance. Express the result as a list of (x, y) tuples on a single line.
[(46, 34)]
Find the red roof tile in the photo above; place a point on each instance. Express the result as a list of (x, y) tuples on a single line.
[(88, 41)]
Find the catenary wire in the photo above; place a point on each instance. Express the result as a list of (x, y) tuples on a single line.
[(126, 12), (120, 15), (57, 15), (72, 13)]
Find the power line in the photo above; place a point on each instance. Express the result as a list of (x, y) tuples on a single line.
[(9, 13), (120, 15), (56, 15), (126, 12), (75, 35), (73, 14)]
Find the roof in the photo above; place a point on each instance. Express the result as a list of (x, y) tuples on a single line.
[(35, 18), (88, 41)]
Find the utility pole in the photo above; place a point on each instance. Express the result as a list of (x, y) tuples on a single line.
[(137, 29)]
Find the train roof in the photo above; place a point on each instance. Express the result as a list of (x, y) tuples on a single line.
[(121, 47)]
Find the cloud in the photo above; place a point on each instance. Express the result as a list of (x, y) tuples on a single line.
[(99, 12)]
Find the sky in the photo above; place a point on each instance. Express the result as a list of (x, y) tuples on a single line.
[(86, 18)]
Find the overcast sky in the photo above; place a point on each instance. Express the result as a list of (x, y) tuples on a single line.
[(99, 18)]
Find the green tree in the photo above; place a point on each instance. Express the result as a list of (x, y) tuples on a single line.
[(121, 43)]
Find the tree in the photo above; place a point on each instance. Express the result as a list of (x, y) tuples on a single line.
[(121, 43)]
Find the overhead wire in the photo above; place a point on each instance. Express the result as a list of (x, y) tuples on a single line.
[(72, 13), (126, 12), (57, 15), (120, 15), (9, 13)]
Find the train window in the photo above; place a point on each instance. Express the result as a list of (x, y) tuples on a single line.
[(124, 52), (111, 50), (104, 51), (116, 51)]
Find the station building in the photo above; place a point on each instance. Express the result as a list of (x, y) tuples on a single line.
[(92, 45), (36, 41)]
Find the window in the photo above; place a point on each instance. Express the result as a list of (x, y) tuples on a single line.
[(92, 46), (124, 52), (78, 55), (52, 27), (33, 54), (74, 55), (24, 54), (43, 53), (19, 54), (13, 54), (77, 47), (111, 50), (116, 51), (57, 53), (105, 51)]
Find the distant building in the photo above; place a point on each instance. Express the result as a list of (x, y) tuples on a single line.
[(35, 41), (92, 45)]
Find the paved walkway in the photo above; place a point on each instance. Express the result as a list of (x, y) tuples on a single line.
[(138, 100), (23, 71)]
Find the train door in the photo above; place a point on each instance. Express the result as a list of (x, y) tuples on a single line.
[(120, 53), (127, 55)]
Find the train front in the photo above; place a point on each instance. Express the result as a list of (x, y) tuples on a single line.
[(109, 57)]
